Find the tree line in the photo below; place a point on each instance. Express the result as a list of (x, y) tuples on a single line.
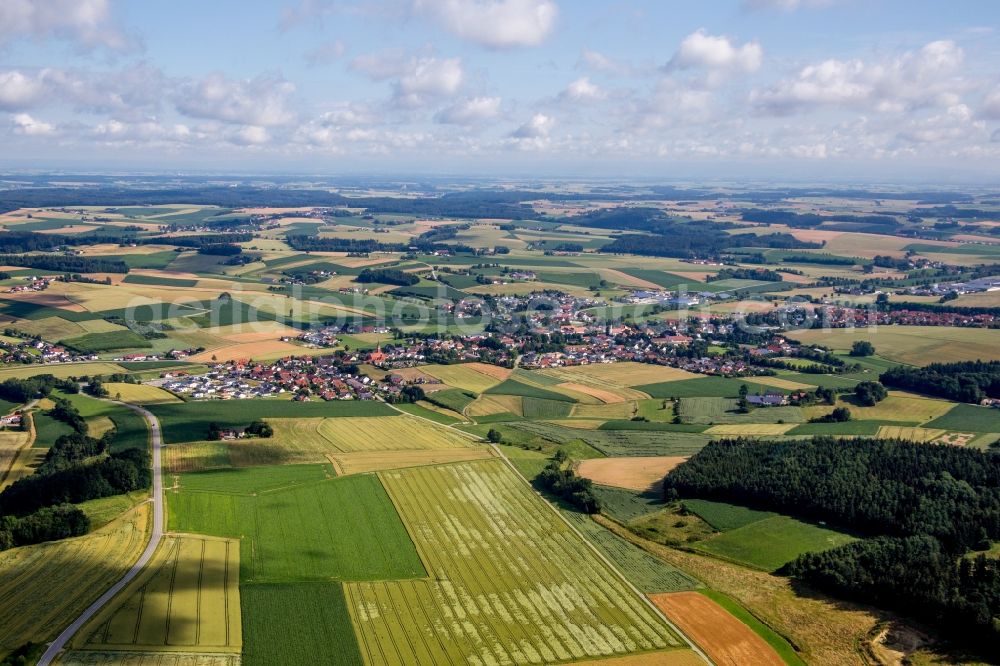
[(965, 381), (61, 263), (923, 507)]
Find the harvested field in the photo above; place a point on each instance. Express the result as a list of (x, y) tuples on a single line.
[(267, 349), (43, 587), (912, 344), (911, 433), (626, 373), (98, 425), (195, 456), (604, 395), (465, 376), (23, 464), (620, 410), (51, 328), (61, 370), (187, 597), (778, 382), (140, 394), (725, 639), (750, 429), (494, 371), (313, 440), (496, 582), (893, 408), (495, 404), (356, 463), (12, 443), (663, 658), (634, 472)]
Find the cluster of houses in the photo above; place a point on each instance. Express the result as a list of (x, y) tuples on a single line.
[(300, 378), (845, 317), (38, 351), (668, 298), (33, 284)]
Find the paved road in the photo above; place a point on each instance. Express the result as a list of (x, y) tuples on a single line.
[(60, 642)]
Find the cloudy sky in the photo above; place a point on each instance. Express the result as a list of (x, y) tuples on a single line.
[(885, 89)]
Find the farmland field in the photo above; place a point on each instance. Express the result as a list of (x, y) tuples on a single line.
[(189, 421), (43, 587), (915, 345), (723, 516), (621, 442), (366, 461), (724, 638), (139, 394), (632, 473), (622, 374), (767, 544), (319, 529), (723, 411), (462, 377), (894, 408), (497, 580), (61, 370), (187, 597), (972, 418)]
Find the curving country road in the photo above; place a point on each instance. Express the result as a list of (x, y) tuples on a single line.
[(157, 496)]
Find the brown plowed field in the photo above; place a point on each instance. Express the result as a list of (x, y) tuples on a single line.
[(725, 639), (633, 472)]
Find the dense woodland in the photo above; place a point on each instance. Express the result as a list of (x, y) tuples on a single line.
[(969, 381), (387, 276), (926, 506), (61, 263)]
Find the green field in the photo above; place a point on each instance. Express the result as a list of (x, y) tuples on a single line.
[(620, 442), (768, 544), (625, 505), (723, 411), (532, 591), (723, 516), (844, 428), (158, 281), (454, 399), (648, 573), (326, 529), (914, 345), (130, 427), (772, 638), (422, 412), (94, 343), (704, 387), (539, 408), (189, 421), (968, 418), (514, 387), (301, 623)]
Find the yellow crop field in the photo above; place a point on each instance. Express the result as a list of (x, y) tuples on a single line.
[(195, 456), (627, 373), (140, 394), (43, 587), (24, 464), (579, 424), (365, 461), (187, 597), (910, 433), (50, 328), (485, 405), (148, 658), (778, 382), (12, 442), (912, 344), (98, 425), (313, 439), (462, 376), (893, 408), (751, 429), (61, 370), (491, 597), (618, 410)]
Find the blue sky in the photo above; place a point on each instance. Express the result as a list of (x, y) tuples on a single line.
[(836, 89)]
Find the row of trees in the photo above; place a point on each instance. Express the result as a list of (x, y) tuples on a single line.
[(61, 263), (968, 381), (39, 386), (567, 486), (387, 276)]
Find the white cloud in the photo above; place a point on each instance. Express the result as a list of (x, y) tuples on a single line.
[(417, 79), (718, 54), (915, 79), (599, 62), (495, 24), (19, 91), (534, 134), (89, 23), (470, 111), (326, 53), (583, 90), (28, 126), (995, 137), (787, 5), (262, 101), (990, 107), (250, 135)]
